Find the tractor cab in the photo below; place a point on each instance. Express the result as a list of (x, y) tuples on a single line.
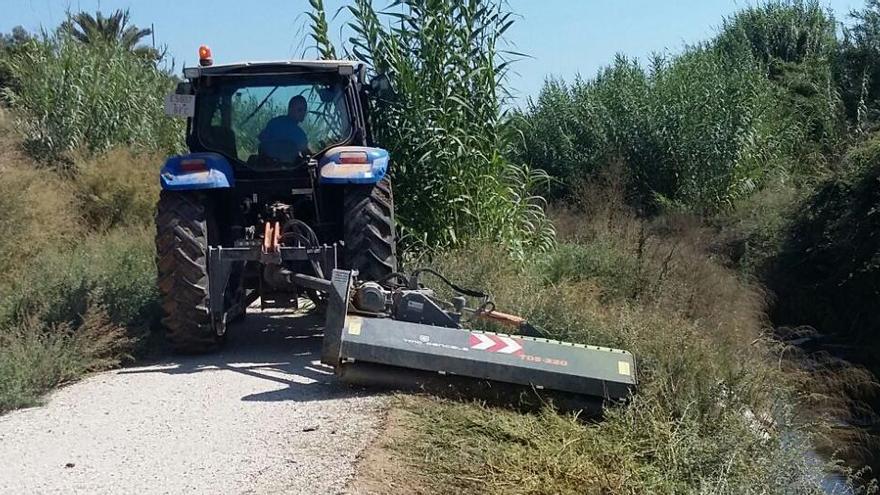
[(274, 116)]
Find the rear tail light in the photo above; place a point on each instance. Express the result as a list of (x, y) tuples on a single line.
[(352, 158), (193, 165)]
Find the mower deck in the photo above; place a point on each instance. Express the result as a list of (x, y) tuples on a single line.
[(540, 363)]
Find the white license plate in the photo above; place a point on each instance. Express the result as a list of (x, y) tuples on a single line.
[(180, 105)]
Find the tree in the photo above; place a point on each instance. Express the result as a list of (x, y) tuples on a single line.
[(10, 44), (115, 28)]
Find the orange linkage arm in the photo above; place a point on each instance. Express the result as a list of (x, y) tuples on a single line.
[(267, 238), (511, 321)]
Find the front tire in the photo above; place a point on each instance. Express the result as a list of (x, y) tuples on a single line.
[(369, 230)]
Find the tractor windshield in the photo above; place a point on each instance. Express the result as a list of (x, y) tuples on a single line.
[(270, 122)]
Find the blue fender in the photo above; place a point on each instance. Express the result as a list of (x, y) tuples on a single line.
[(353, 165), (196, 171)]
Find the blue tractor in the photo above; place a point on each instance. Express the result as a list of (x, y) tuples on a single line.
[(282, 167), (283, 196)]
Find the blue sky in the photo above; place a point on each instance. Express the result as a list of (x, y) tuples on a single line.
[(563, 37)]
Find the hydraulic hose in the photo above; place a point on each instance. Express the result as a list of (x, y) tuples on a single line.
[(414, 283)]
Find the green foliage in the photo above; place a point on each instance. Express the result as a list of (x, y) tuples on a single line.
[(320, 28), (860, 66), (71, 303), (92, 96), (444, 127), (788, 31), (751, 234), (10, 44), (602, 261), (117, 189), (77, 285), (827, 273), (796, 43), (693, 131), (38, 213), (705, 129)]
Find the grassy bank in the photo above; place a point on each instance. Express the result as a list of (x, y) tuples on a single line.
[(720, 408)]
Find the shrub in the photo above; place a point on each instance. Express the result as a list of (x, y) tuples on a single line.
[(697, 130), (859, 67), (88, 96), (827, 272), (796, 43), (115, 270), (705, 129), (35, 357), (118, 188), (38, 214), (788, 31), (715, 411)]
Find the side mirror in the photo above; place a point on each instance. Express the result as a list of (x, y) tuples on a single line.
[(381, 87)]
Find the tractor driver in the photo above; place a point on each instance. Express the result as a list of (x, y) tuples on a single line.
[(283, 139)]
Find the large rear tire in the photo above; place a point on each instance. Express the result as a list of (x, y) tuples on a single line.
[(183, 220), (369, 232)]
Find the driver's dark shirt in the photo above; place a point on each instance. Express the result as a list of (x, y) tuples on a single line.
[(283, 139)]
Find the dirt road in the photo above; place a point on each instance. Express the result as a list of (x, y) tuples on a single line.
[(263, 416)]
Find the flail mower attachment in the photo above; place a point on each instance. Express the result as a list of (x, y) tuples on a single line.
[(375, 330)]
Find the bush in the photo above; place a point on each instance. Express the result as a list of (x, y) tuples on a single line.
[(752, 234), (38, 214), (788, 31), (72, 300), (827, 272), (73, 95), (73, 311), (796, 43), (703, 130), (696, 131), (115, 270), (612, 269), (118, 188), (35, 357), (859, 66)]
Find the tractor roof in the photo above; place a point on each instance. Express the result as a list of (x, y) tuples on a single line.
[(341, 66)]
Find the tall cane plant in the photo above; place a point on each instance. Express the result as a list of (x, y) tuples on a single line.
[(445, 127)]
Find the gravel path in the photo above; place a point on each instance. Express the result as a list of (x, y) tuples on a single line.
[(263, 416)]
